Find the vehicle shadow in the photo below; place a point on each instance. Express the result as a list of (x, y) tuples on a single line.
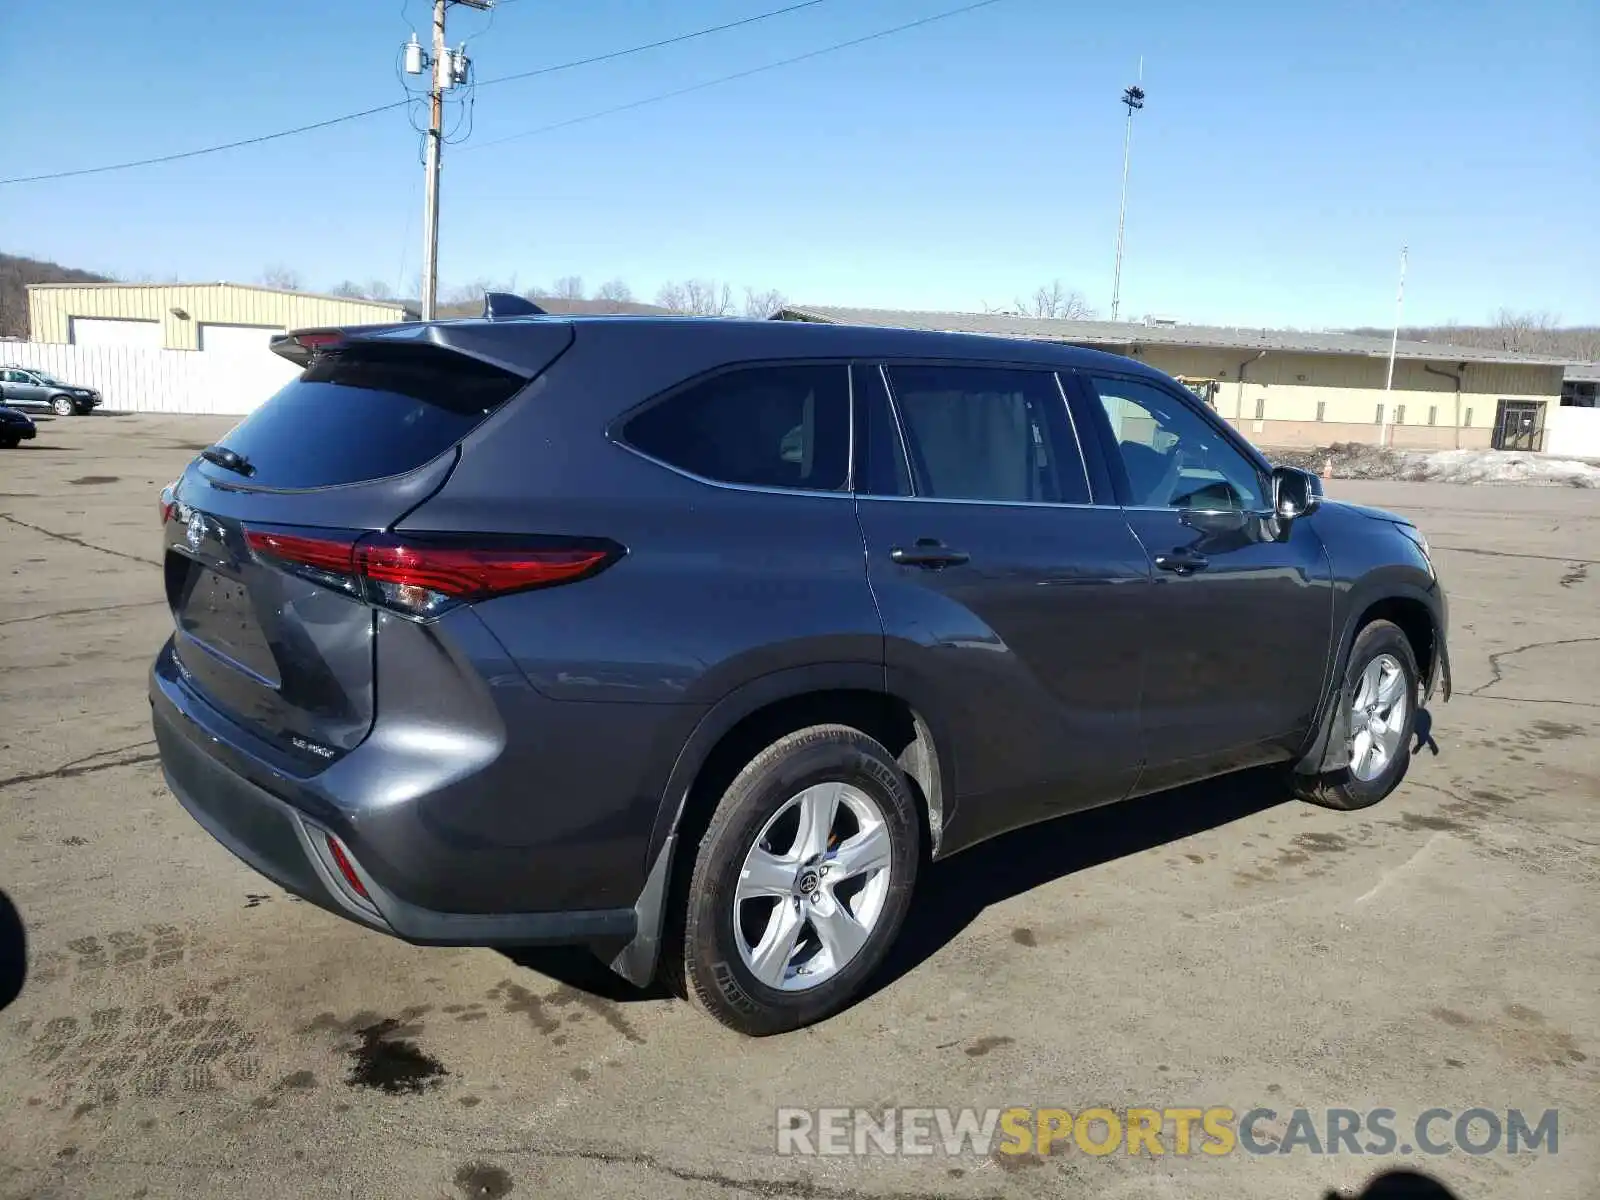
[(952, 894), (1399, 1185), (13, 952)]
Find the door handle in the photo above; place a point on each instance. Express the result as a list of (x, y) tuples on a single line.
[(929, 554), (1182, 562)]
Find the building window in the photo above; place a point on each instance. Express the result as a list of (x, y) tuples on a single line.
[(1433, 414), (1378, 417), (1399, 414), (1468, 419), (1322, 409), (1261, 407)]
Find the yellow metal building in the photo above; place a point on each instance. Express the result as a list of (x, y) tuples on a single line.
[(1286, 388), (224, 317)]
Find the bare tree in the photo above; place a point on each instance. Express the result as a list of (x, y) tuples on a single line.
[(615, 290), (696, 297), (568, 287), (1055, 301), (761, 305), (379, 290), (1526, 332), (280, 276), (350, 289)]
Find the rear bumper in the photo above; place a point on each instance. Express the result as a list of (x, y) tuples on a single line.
[(288, 845)]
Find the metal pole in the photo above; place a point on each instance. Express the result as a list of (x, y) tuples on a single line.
[(1122, 215), (1394, 344), (430, 191)]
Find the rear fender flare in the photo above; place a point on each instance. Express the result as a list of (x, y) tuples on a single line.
[(636, 962)]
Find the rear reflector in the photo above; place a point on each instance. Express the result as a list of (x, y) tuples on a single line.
[(423, 577), (342, 861)]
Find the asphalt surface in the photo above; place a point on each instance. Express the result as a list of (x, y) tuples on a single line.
[(188, 1029)]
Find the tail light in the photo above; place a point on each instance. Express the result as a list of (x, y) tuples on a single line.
[(425, 576), (169, 501)]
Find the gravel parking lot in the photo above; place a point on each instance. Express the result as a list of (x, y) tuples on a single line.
[(188, 1029)]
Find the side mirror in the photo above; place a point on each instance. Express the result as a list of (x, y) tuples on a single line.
[(1295, 493)]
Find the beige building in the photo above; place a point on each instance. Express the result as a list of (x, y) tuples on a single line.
[(222, 317), (1283, 388)]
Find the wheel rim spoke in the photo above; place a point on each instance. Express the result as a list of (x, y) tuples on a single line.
[(1390, 689), (765, 874), (866, 852), (1360, 748), (818, 807), (841, 935), (770, 957)]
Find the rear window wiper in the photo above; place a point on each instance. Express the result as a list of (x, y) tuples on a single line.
[(228, 460)]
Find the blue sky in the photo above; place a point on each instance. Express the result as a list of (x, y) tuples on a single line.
[(1287, 151)]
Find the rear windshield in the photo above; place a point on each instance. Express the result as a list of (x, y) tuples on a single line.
[(367, 412)]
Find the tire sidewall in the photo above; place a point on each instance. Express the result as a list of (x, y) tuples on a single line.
[(1381, 637), (63, 407), (710, 945)]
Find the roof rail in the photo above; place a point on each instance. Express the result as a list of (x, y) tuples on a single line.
[(505, 304)]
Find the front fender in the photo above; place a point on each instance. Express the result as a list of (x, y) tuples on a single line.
[(1406, 583)]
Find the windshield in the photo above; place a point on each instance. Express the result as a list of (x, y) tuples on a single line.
[(43, 378)]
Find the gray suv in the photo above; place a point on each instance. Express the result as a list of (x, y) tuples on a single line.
[(24, 387), (695, 641)]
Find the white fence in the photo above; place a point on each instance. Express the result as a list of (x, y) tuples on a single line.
[(1572, 432), (137, 379)]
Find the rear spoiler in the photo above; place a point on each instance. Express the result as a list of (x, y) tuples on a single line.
[(300, 346)]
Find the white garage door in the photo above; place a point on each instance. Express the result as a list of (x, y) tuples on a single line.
[(108, 331), (244, 341)]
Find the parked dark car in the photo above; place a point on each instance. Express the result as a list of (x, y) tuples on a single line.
[(15, 428), (694, 641), (26, 388)]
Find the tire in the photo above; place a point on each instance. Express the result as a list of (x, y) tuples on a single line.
[(1379, 647), (62, 406), (874, 812), (10, 443)]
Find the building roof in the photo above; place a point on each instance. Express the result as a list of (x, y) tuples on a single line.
[(1127, 333), (387, 302), (1583, 372)]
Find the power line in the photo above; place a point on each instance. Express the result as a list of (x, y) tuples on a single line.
[(179, 156), (745, 74), (671, 41)]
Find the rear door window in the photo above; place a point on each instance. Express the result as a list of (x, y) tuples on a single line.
[(988, 433), (367, 412), (780, 426)]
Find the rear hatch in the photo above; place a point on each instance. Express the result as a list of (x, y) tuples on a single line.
[(276, 548)]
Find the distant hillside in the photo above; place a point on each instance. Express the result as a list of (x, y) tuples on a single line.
[(16, 274), (1521, 334)]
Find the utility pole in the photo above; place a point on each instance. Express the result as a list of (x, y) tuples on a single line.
[(1394, 344), (1133, 97), (447, 69)]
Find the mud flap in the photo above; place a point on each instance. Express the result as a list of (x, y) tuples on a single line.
[(1439, 677)]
